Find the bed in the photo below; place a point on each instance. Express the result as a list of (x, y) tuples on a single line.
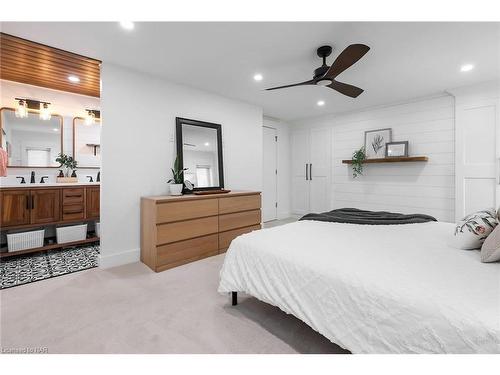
[(372, 288)]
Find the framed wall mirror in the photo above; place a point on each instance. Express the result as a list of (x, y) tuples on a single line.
[(30, 141), (87, 143), (199, 149)]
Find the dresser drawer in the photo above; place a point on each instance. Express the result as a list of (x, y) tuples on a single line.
[(225, 238), (239, 220), (73, 211), (237, 204), (176, 211), (182, 230), (187, 251), (73, 196)]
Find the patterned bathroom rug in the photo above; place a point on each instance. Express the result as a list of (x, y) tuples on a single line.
[(25, 269)]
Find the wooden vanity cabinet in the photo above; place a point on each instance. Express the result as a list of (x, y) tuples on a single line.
[(45, 206), (73, 203), (24, 206), (93, 202), (14, 207)]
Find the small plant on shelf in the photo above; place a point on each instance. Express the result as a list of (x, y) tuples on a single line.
[(177, 180), (358, 157), (67, 162)]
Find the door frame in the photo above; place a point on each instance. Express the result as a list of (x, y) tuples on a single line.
[(277, 170)]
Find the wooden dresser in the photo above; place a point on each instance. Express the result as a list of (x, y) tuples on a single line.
[(179, 230)]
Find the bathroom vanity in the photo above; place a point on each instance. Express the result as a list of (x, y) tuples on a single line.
[(31, 206)]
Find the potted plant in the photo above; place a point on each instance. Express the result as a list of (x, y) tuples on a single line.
[(177, 182), (358, 157), (68, 164)]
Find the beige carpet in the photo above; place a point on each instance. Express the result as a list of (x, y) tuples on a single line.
[(131, 309)]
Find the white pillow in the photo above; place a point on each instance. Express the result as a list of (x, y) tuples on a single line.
[(473, 229), (490, 251)]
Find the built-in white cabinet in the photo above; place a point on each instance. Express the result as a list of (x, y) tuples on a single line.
[(311, 170), (477, 149)]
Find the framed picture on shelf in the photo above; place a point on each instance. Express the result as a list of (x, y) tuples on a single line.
[(375, 141), (396, 149)]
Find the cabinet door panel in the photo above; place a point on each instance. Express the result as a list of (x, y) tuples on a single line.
[(14, 207), (319, 195), (300, 195), (45, 206), (300, 163), (93, 202), (320, 152), (300, 154)]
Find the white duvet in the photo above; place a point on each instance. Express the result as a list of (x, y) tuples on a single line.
[(373, 289)]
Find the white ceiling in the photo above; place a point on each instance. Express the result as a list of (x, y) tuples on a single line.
[(406, 60)]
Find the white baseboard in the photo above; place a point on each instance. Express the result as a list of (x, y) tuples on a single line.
[(113, 260)]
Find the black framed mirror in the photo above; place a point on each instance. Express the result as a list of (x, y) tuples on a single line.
[(199, 148)]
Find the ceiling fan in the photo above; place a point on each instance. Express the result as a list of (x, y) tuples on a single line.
[(325, 75)]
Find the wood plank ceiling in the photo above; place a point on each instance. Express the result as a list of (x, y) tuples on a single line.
[(36, 64)]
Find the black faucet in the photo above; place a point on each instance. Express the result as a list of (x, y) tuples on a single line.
[(42, 180), (91, 178), (98, 177), (32, 180), (23, 181)]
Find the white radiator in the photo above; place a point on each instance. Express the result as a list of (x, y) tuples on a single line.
[(25, 240)]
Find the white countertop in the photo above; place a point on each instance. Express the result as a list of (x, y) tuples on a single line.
[(48, 184)]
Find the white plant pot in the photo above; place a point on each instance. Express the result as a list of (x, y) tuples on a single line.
[(176, 189)]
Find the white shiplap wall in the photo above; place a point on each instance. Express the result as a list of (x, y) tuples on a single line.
[(428, 188)]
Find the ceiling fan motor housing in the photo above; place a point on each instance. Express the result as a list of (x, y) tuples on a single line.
[(323, 52), (320, 72)]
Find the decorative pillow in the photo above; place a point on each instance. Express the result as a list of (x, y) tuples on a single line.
[(490, 251), (473, 229)]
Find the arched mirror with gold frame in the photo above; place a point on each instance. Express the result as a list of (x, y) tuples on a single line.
[(31, 142), (87, 143)]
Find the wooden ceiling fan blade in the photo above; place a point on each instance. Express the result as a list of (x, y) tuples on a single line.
[(346, 89), (346, 59), (311, 82)]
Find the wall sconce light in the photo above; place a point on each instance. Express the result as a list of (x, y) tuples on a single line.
[(24, 105), (22, 108), (91, 116), (45, 111)]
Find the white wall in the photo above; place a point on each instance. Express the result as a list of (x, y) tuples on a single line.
[(66, 104), (138, 148), (428, 125), (283, 165)]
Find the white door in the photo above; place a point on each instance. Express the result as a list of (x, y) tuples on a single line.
[(269, 191), (300, 162), (475, 156), (319, 170)]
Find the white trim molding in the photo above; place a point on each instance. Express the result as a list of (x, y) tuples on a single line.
[(119, 259)]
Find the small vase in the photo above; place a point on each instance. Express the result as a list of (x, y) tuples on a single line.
[(176, 189)]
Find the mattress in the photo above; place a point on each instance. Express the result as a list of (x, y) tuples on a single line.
[(373, 289)]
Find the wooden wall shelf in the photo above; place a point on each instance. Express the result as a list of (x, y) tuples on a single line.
[(392, 160)]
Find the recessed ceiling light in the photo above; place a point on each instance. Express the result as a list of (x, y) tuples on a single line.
[(73, 79), (207, 144), (258, 77), (320, 103), (466, 68), (55, 129), (127, 25)]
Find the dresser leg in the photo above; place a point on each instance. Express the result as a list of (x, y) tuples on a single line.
[(234, 298)]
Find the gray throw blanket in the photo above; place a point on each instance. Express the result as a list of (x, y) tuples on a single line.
[(355, 216)]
